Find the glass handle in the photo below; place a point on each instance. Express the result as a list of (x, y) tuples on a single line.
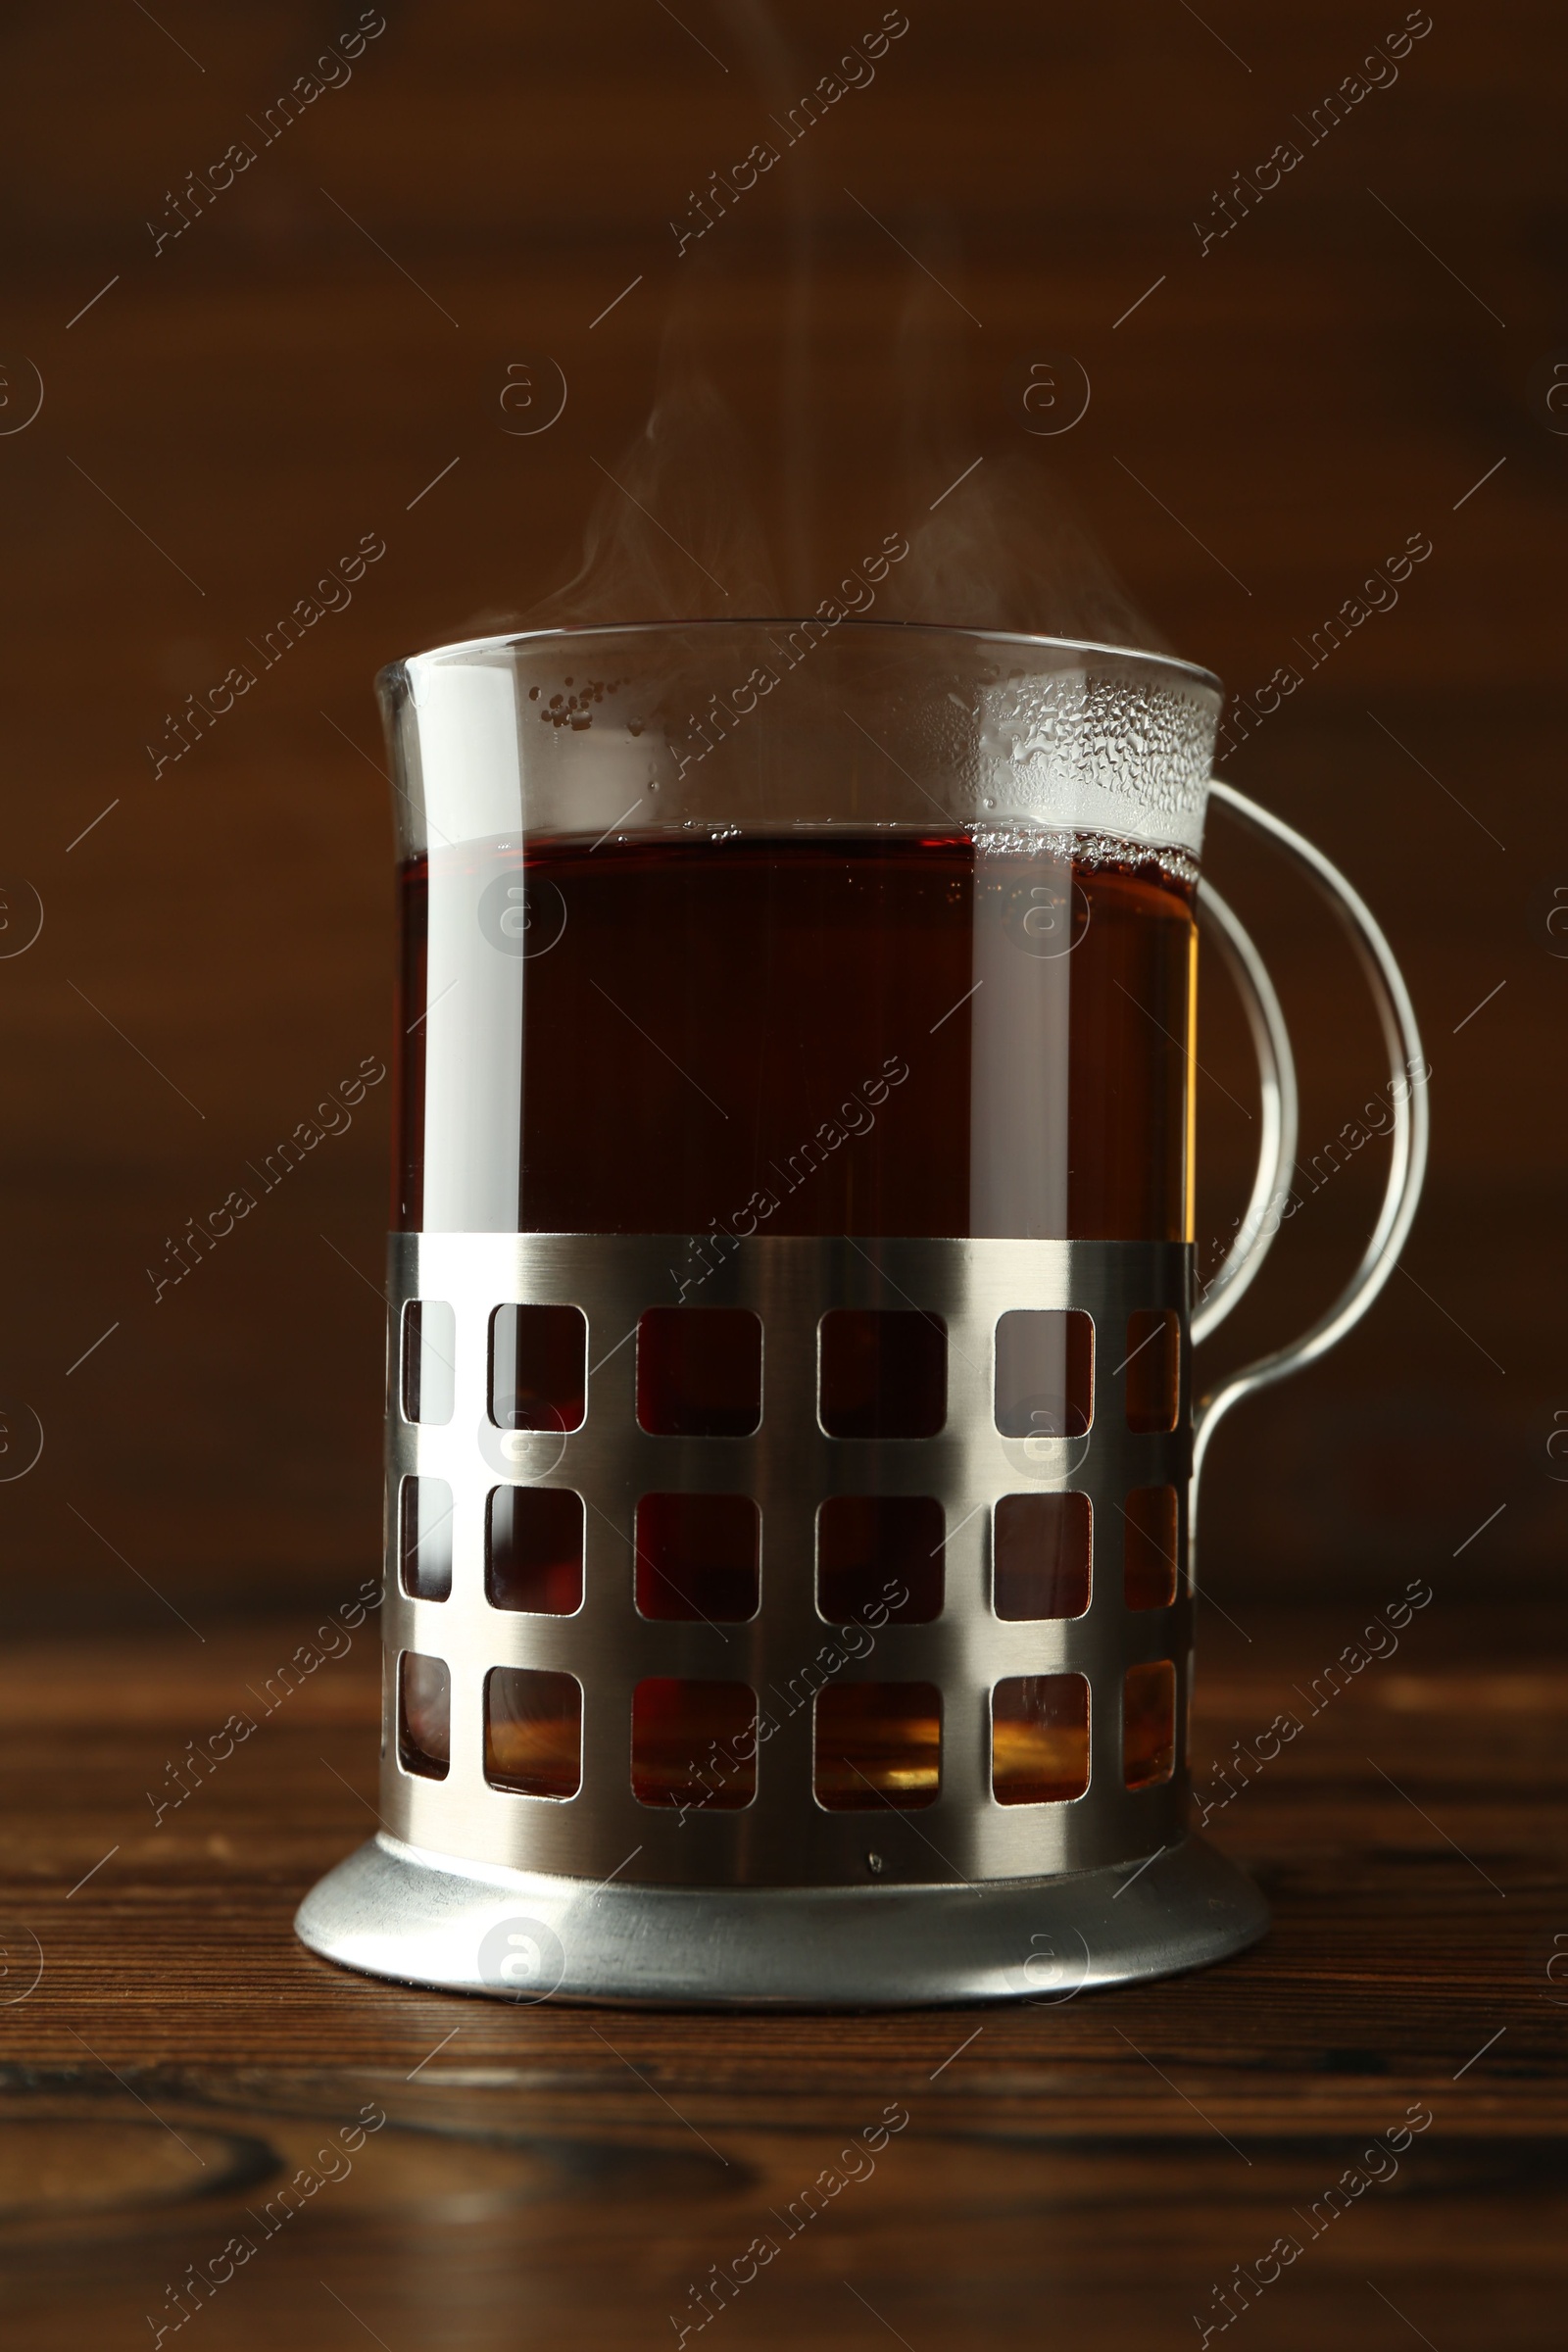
[(1407, 1158), (1275, 1155)]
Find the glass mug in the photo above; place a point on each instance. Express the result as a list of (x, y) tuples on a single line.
[(792, 1444)]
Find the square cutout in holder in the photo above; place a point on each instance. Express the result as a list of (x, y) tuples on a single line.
[(1153, 1370), (882, 1373), (1148, 1724), (533, 1732), (1040, 1738), (697, 1558), (694, 1744), (879, 1559), (533, 1550), (429, 1362), (538, 1367), (425, 1715), (1152, 1546), (1041, 1548), (878, 1744), (425, 1538), (1045, 1373), (700, 1371)]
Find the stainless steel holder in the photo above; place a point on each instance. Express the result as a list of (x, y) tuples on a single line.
[(786, 1899)]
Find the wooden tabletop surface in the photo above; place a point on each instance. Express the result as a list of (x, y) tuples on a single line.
[(1091, 2169)]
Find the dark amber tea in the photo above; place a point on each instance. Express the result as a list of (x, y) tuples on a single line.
[(813, 1033)]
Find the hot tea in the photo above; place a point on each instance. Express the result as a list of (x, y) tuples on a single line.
[(954, 1032)]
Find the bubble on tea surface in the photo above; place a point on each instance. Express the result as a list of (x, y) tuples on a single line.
[(20, 393), (20, 1438), (533, 394), (522, 1957), (21, 915)]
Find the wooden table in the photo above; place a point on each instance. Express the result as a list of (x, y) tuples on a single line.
[(1089, 2170)]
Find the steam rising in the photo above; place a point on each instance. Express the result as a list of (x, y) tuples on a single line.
[(1005, 549), (696, 519), (674, 533), (1005, 552), (677, 532)]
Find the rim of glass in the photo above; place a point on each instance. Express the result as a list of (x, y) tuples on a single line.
[(1192, 672)]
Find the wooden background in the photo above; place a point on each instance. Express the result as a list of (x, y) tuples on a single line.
[(323, 354), (273, 383)]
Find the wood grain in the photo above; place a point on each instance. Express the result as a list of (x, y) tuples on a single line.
[(1111, 2156)]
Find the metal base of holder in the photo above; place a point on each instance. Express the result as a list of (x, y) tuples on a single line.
[(399, 1911)]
